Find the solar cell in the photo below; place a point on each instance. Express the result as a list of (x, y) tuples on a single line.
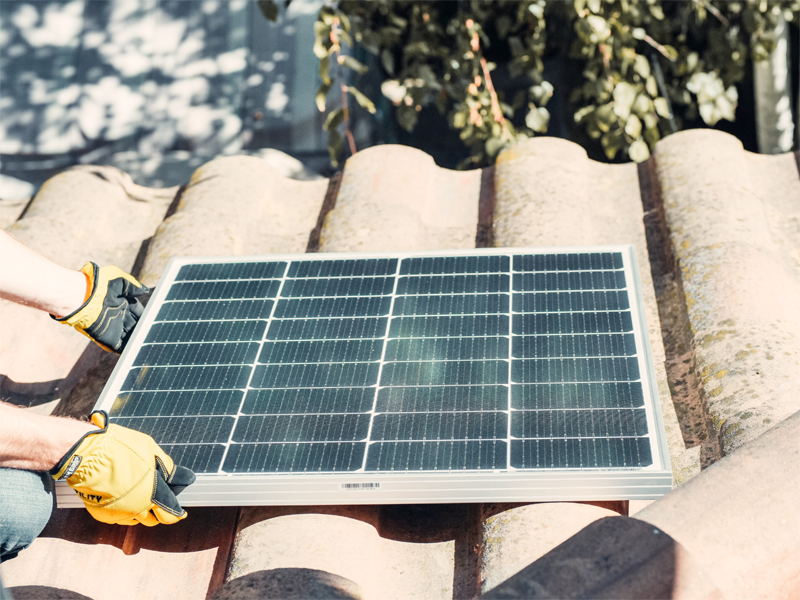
[(515, 374)]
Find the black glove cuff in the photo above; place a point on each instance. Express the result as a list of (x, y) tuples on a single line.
[(95, 272), (64, 459)]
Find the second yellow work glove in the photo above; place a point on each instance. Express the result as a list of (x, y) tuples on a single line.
[(112, 308), (123, 476)]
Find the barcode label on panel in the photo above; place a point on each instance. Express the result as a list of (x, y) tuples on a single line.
[(360, 486)]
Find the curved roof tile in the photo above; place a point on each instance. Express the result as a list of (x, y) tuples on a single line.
[(728, 217), (730, 226), (396, 198)]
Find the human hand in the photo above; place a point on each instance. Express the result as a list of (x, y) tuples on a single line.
[(111, 311), (123, 476)]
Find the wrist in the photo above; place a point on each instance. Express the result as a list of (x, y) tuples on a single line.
[(74, 290), (70, 433), (36, 442)]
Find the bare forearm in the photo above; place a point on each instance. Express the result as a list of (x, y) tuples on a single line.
[(30, 279), (36, 442)]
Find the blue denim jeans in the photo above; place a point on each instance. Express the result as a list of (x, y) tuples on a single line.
[(26, 502)]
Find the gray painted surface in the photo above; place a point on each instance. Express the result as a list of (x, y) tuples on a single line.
[(155, 87)]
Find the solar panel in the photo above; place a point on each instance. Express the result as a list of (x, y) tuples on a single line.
[(485, 375)]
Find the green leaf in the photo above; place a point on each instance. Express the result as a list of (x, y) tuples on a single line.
[(494, 146), (633, 127), (503, 25), (642, 105), (537, 119), (604, 117), (345, 38), (542, 93), (418, 48), (362, 100), (536, 10), (321, 96), (327, 16), (398, 21), (642, 66), (335, 142), (407, 118), (427, 75), (324, 69), (593, 130), (612, 142), (321, 39), (392, 89), (352, 63), (387, 60), (671, 53), (600, 28), (580, 114), (651, 135), (651, 86), (333, 120), (662, 107), (269, 8), (639, 152), (624, 95)]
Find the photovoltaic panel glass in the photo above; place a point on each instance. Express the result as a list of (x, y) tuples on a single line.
[(407, 364)]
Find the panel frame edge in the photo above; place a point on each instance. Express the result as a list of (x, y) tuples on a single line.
[(515, 486)]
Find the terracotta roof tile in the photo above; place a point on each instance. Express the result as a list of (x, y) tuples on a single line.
[(236, 205), (396, 198), (730, 214), (728, 218), (84, 214)]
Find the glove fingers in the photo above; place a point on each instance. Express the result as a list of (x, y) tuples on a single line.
[(129, 320), (138, 290), (99, 418), (136, 309), (181, 479), (146, 518), (167, 518), (164, 498)]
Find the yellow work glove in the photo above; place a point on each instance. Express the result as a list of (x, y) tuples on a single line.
[(123, 476), (112, 309)]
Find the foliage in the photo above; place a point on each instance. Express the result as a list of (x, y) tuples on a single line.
[(648, 66)]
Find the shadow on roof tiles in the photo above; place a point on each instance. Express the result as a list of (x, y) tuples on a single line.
[(204, 528), (40, 592), (290, 584)]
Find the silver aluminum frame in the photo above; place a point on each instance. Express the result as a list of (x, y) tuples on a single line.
[(361, 487)]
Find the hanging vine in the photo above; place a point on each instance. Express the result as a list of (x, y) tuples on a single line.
[(649, 66)]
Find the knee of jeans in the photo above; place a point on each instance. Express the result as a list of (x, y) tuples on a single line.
[(27, 501)]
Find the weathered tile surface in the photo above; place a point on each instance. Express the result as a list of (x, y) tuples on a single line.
[(548, 193), (10, 210), (131, 563), (732, 217), (396, 198), (739, 518), (214, 217), (80, 215), (237, 205), (613, 558), (732, 221), (515, 538)]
